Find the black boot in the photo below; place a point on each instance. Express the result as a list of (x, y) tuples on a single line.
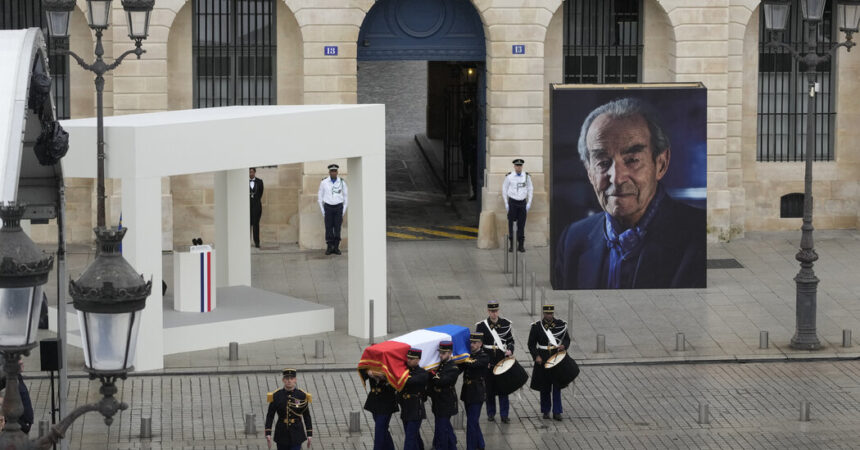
[(521, 247), (510, 245), (328, 249), (335, 248)]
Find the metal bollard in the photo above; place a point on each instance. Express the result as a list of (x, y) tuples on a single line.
[(704, 414), (534, 300), (354, 422), (44, 427), (533, 287), (601, 344), (680, 342), (233, 351), (507, 254), (542, 298), (370, 325), (846, 338), (763, 340), (459, 422), (523, 293), (805, 406), (569, 311), (146, 427), (250, 423), (515, 253), (319, 349)]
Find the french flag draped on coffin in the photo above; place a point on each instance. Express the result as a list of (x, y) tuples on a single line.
[(389, 357)]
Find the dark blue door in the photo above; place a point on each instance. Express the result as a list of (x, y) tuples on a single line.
[(428, 30)]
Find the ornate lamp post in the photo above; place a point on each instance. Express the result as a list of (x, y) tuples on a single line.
[(776, 14), (98, 16)]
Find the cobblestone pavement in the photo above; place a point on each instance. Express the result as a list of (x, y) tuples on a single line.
[(617, 406)]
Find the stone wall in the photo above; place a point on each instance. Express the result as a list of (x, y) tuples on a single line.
[(708, 41)]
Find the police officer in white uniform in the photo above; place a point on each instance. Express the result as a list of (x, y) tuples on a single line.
[(517, 191), (332, 198)]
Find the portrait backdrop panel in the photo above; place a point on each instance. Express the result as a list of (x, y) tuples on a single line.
[(629, 211)]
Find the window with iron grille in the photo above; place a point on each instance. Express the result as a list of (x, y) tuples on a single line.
[(18, 14), (783, 89), (234, 52), (602, 41)]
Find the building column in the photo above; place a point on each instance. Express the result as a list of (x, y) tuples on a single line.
[(232, 228), (367, 265), (141, 206)]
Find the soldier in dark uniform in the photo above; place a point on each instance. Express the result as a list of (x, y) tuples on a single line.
[(411, 399), (382, 403), (444, 396), (542, 347), (496, 352), (294, 416), (475, 369)]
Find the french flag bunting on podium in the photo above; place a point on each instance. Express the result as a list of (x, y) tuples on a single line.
[(389, 357), (206, 281)]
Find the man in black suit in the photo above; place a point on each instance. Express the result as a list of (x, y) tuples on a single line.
[(256, 189), (644, 239)]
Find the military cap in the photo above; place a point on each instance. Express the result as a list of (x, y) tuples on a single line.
[(446, 346), (549, 309), (289, 373), (414, 353), (333, 167), (518, 162), (476, 337), (493, 305)]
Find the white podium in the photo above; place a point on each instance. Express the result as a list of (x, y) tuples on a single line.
[(194, 279)]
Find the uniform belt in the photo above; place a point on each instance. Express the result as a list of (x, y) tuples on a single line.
[(376, 390), (289, 421), (546, 347), (511, 199), (408, 396), (491, 347), (329, 204)]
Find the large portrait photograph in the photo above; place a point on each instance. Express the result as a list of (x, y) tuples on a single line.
[(628, 186)]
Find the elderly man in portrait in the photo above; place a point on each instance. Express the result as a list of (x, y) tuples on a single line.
[(644, 239)]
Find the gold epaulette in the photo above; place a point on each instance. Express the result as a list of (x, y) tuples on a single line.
[(308, 397), (270, 397)]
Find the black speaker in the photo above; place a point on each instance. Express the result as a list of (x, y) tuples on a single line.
[(49, 350)]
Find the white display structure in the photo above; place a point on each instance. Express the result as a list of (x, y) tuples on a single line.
[(194, 280)]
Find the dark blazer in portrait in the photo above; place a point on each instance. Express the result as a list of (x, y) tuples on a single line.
[(256, 200), (672, 256)]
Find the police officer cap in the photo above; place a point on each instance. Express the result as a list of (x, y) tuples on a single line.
[(476, 337), (493, 305), (549, 308), (333, 167), (446, 346), (518, 162), (289, 373), (414, 353)]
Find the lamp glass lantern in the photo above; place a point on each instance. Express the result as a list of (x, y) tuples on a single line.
[(109, 297), (138, 13), (23, 271), (98, 12), (849, 15), (813, 10), (776, 14), (57, 13)]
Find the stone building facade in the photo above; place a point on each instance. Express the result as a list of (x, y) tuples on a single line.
[(710, 41)]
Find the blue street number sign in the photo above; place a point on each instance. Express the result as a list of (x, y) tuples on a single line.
[(330, 50), (519, 49)]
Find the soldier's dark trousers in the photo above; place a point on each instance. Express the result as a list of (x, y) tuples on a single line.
[(289, 447), (504, 404), (333, 221), (517, 213), (381, 436), (256, 214), (474, 437), (545, 400), (412, 439), (444, 437)]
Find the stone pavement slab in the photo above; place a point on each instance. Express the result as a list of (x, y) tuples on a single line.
[(752, 405)]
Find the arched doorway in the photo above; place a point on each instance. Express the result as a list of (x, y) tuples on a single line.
[(425, 59)]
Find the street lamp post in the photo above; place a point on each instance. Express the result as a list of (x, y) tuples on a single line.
[(776, 14), (108, 296)]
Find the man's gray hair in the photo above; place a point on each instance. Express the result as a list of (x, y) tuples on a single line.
[(621, 108)]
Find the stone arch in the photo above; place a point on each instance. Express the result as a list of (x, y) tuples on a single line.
[(172, 8), (658, 37), (289, 58), (180, 83)]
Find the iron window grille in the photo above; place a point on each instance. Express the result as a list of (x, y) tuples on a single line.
[(234, 52), (18, 14), (783, 87), (602, 41)]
